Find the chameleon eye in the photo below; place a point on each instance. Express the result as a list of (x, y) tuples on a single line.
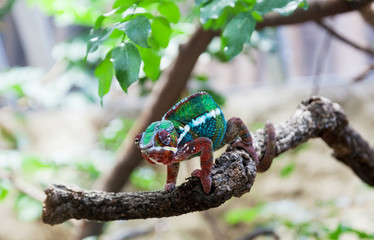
[(137, 139), (164, 137)]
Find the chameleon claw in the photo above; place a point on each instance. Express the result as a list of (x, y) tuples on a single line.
[(169, 187), (196, 173), (206, 181)]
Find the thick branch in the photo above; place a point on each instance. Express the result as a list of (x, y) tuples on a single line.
[(233, 174)]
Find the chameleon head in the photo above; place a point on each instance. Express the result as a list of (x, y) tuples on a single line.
[(158, 143)]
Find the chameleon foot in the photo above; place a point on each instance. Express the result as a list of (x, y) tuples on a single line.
[(206, 180), (248, 148), (169, 187)]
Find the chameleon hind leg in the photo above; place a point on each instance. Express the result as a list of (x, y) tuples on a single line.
[(204, 147), (235, 127)]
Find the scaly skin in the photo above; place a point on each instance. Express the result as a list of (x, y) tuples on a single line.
[(195, 126)]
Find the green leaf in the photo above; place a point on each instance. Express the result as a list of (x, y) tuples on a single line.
[(151, 60), (31, 165), (237, 32), (201, 2), (245, 215), (133, 15), (99, 21), (27, 208), (161, 32), (304, 5), (5, 186), (257, 16), (97, 37), (104, 73), (147, 3), (170, 10), (145, 178), (282, 6), (214, 9), (288, 170), (202, 78), (123, 3), (126, 60), (138, 30)]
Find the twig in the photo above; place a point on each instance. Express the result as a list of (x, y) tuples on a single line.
[(316, 10), (232, 176), (23, 186), (344, 39), (364, 74)]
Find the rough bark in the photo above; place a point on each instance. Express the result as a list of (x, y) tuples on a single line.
[(232, 175)]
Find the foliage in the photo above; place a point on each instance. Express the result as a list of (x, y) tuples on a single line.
[(302, 223), (135, 33), (27, 208), (5, 186), (290, 167), (112, 135), (67, 12), (243, 215), (6, 7), (147, 179)]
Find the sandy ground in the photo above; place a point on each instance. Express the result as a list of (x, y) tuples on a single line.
[(319, 190)]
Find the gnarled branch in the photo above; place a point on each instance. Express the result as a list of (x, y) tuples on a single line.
[(233, 174)]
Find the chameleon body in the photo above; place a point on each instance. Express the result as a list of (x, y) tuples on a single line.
[(195, 126)]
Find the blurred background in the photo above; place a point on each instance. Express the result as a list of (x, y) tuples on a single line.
[(54, 130)]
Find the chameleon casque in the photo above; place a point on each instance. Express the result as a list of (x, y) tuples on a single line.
[(195, 126)]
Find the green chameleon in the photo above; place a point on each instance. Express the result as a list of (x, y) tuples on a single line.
[(195, 126)]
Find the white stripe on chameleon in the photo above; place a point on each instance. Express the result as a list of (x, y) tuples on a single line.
[(201, 120), (167, 148), (186, 129), (154, 161), (197, 121)]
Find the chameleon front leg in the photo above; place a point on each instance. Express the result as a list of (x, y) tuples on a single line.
[(204, 146), (172, 174)]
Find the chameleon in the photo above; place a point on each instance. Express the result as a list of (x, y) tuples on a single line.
[(196, 126)]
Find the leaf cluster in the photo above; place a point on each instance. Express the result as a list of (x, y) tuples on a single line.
[(135, 33)]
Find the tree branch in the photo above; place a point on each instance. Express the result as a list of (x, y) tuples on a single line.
[(333, 33), (316, 10), (232, 175)]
